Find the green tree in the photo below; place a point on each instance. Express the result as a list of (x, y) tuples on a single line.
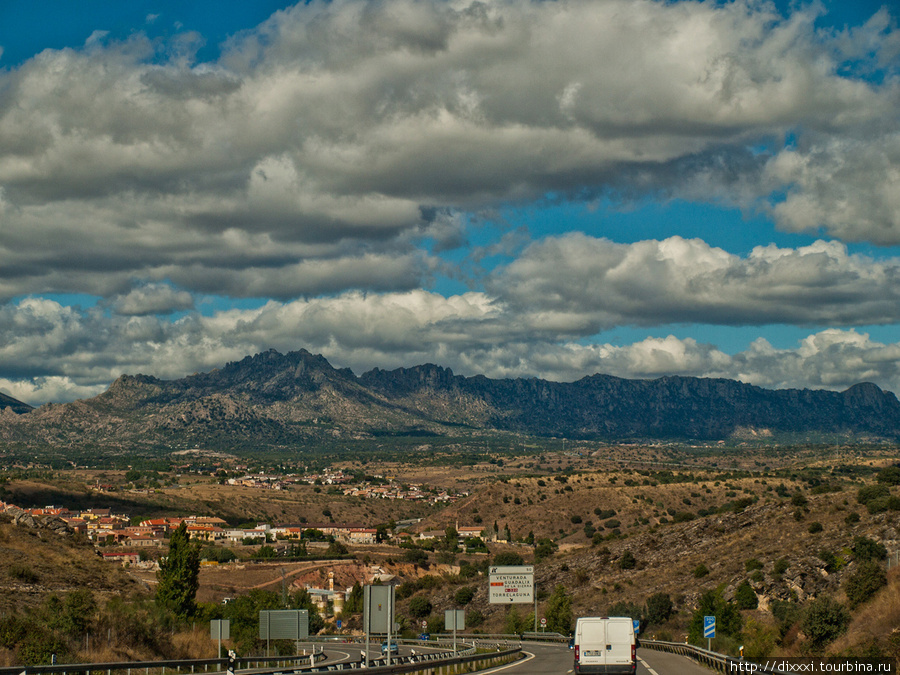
[(179, 574), (659, 608), (508, 558), (825, 620), (744, 597), (515, 623), (382, 532), (544, 549), (451, 539), (627, 561), (559, 611), (464, 595), (354, 602), (728, 618), (889, 475), (420, 607)]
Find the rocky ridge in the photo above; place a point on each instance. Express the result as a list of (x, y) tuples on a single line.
[(278, 400)]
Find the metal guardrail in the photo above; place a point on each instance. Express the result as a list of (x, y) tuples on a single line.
[(172, 667), (719, 662), (258, 665)]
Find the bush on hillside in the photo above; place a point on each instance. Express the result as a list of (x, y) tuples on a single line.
[(825, 620), (864, 582)]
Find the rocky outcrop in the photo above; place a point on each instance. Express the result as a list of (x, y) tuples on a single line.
[(276, 400), (52, 524)]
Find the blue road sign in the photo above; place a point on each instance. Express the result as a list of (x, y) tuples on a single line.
[(709, 626), (637, 626)]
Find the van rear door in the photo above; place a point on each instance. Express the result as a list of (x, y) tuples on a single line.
[(619, 641)]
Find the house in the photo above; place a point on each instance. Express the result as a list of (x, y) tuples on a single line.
[(123, 558)]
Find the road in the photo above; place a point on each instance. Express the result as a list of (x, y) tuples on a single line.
[(557, 660)]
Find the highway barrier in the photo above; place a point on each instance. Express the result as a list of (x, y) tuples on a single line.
[(718, 662), (426, 663)]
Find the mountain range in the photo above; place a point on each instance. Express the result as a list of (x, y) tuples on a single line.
[(280, 400)]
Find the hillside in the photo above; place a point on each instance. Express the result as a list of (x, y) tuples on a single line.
[(272, 400), (789, 533), (41, 557)]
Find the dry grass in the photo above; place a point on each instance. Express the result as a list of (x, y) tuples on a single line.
[(875, 622)]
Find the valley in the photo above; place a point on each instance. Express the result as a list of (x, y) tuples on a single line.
[(608, 529)]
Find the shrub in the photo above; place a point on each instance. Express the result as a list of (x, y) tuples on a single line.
[(420, 607), (797, 499), (780, 567), (576, 519), (815, 527), (700, 571), (753, 564), (871, 492), (416, 556), (659, 608), (864, 582), (852, 517), (627, 561), (744, 597), (830, 560), (728, 618), (508, 558), (464, 595), (867, 549), (889, 476), (22, 573), (825, 620)]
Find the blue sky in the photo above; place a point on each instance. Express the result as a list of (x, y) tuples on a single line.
[(508, 188)]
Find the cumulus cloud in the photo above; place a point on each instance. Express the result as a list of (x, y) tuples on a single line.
[(340, 151), (578, 285), (153, 299), (53, 351), (329, 131)]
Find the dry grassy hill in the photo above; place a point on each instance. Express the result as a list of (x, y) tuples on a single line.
[(37, 561)]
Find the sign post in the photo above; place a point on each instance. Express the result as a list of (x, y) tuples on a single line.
[(283, 624), (220, 629), (378, 615), (709, 630), (454, 619)]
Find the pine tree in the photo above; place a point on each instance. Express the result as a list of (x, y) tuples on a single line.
[(179, 574), (559, 611)]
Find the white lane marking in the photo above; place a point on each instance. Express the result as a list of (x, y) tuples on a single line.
[(647, 666), (528, 657)]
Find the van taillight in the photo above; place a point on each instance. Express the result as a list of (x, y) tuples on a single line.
[(633, 653), (577, 651)]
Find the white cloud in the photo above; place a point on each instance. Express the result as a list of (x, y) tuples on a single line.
[(342, 123), (579, 285), (153, 299), (49, 349)]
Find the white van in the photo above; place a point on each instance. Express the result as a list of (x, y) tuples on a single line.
[(605, 644)]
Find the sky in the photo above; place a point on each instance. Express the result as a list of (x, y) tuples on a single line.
[(511, 188)]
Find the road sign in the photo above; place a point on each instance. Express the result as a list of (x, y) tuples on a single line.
[(511, 584), (709, 626), (220, 629), (454, 619), (339, 624), (637, 626), (544, 622), (284, 624), (378, 609)]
